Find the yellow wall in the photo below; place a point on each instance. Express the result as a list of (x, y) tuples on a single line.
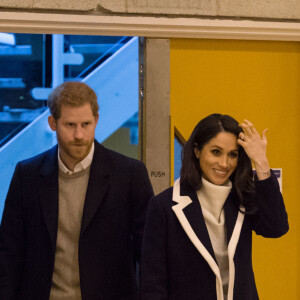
[(259, 81)]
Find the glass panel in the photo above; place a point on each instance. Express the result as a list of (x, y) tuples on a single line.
[(31, 64)]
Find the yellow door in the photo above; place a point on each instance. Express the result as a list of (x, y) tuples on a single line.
[(260, 81)]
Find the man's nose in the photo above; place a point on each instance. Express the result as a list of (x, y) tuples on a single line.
[(78, 133)]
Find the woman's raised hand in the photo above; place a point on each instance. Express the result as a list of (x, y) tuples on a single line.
[(255, 145)]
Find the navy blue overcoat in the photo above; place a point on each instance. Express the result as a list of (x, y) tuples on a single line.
[(178, 261), (111, 231)]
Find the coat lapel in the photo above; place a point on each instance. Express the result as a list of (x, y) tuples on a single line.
[(231, 213), (48, 191), (194, 215), (234, 222), (98, 184), (189, 214)]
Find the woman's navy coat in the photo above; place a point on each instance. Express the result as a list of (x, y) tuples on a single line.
[(178, 260)]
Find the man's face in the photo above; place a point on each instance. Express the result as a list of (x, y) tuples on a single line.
[(75, 131)]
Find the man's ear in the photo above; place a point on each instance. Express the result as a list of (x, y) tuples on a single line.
[(52, 122), (97, 118)]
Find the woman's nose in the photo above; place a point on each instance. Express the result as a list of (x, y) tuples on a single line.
[(223, 162)]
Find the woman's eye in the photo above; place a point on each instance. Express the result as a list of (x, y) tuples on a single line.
[(233, 155), (216, 152)]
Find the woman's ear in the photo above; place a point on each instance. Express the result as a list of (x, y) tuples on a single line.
[(197, 152)]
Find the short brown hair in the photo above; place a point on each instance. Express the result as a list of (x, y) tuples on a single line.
[(71, 93)]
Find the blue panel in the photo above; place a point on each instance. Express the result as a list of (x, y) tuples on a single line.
[(177, 157), (116, 84), (35, 138)]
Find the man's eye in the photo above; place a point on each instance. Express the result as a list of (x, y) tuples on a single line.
[(85, 124)]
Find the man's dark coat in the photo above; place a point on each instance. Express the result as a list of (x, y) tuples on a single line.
[(111, 230)]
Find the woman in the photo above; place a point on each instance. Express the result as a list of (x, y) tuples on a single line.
[(198, 235)]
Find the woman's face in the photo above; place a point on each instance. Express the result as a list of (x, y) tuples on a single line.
[(219, 157)]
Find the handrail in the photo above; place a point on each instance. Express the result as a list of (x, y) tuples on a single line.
[(101, 58)]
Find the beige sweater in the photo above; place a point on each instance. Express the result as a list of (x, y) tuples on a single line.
[(66, 279)]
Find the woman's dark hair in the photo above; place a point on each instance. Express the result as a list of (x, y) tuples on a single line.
[(242, 177)]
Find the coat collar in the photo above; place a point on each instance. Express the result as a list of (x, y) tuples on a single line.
[(194, 215), (188, 219), (189, 214)]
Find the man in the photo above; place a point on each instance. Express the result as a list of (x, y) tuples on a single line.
[(74, 215)]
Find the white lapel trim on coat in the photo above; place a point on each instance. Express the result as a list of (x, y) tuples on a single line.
[(231, 251), (184, 201)]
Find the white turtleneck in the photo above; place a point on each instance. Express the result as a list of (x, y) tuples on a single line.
[(212, 198)]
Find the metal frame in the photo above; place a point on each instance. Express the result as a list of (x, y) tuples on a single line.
[(156, 113)]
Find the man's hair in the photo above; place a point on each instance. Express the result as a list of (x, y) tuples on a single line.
[(71, 93), (206, 129)]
